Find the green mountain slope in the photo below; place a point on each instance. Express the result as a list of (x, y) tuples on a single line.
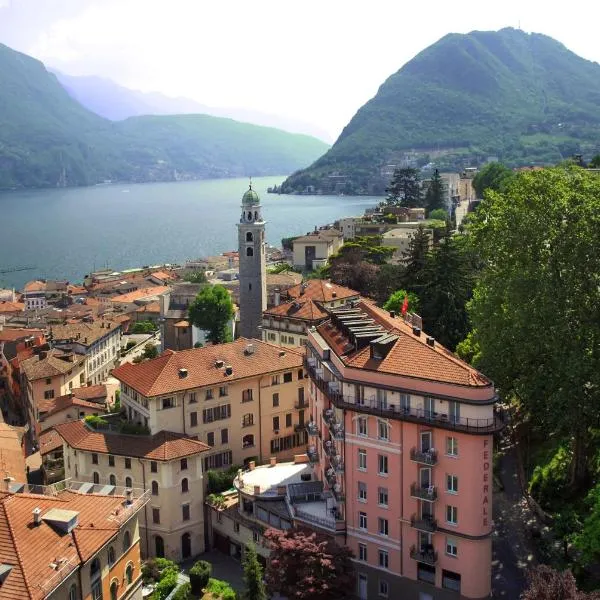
[(524, 98), (48, 139)]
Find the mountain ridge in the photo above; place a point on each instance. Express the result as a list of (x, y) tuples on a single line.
[(524, 98)]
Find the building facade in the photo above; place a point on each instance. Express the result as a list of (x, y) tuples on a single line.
[(245, 399), (253, 272), (402, 432), (314, 249)]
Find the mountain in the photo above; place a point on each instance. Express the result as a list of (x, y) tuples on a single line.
[(112, 101), (48, 139), (523, 98)]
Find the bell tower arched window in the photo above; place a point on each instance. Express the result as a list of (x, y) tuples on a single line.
[(249, 251), (249, 237), (249, 216), (256, 215)]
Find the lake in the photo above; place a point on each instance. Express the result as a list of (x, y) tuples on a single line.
[(66, 233)]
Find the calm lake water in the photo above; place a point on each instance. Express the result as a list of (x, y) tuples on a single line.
[(65, 233)]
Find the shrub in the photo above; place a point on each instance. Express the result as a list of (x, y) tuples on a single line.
[(130, 345), (219, 481), (184, 592), (549, 482), (133, 428), (199, 575), (165, 563), (438, 214), (216, 500), (95, 421), (150, 571), (221, 590), (166, 585), (143, 327)]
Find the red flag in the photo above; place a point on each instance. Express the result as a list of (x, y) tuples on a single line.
[(405, 305)]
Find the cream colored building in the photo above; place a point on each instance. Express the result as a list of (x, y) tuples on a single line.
[(167, 465), (314, 249), (245, 399), (399, 238)]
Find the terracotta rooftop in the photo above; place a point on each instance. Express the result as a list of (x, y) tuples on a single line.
[(35, 286), (410, 355), (12, 458), (95, 392), (32, 551), (18, 333), (55, 405), (50, 441), (304, 309), (165, 275), (6, 306), (162, 446), (147, 292), (322, 235), (182, 323), (162, 376), (152, 307), (321, 290), (56, 362), (81, 332)]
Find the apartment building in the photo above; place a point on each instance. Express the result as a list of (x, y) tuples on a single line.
[(312, 250), (99, 341), (322, 291), (245, 399), (402, 434), (166, 465), (66, 541)]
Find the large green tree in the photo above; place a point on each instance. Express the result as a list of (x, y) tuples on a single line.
[(494, 176), (253, 576), (212, 310), (434, 197), (536, 306), (404, 188), (413, 277)]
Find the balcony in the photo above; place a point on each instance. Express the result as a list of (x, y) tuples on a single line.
[(428, 493), (301, 404), (298, 427), (428, 457), (313, 455), (335, 427), (427, 556), (312, 428), (424, 523)]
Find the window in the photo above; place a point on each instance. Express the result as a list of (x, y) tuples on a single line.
[(362, 552), (168, 403), (95, 569), (210, 438), (155, 488), (208, 395), (382, 462), (276, 399), (362, 460), (223, 391), (236, 527), (128, 463), (452, 515), (451, 547), (383, 526), (94, 458), (185, 512), (96, 477), (255, 537), (184, 464), (111, 461), (287, 377), (248, 441), (247, 396), (156, 516), (219, 517), (384, 559), (153, 466), (224, 436), (275, 423), (452, 446), (48, 381), (300, 374), (185, 486), (194, 419), (249, 252), (193, 398), (129, 574), (111, 556), (452, 484), (450, 580), (249, 236), (217, 413), (361, 427), (362, 520), (382, 496), (48, 394), (383, 430), (288, 420), (248, 420), (384, 588), (128, 482), (362, 491), (114, 590), (126, 541), (112, 480), (216, 461), (275, 380), (97, 590)]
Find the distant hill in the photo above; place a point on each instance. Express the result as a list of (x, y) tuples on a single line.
[(523, 98), (115, 102), (48, 139)]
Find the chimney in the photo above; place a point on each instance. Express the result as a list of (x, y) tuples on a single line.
[(7, 481), (417, 331), (430, 341), (282, 353), (277, 300), (129, 496), (393, 314), (272, 461), (183, 373), (334, 294), (257, 490), (219, 364), (251, 465), (37, 516), (249, 349), (228, 370)]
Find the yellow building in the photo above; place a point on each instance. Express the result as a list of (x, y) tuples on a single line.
[(245, 399)]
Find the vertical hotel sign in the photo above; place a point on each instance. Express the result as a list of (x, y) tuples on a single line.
[(486, 483)]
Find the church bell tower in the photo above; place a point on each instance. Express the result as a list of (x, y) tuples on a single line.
[(253, 272)]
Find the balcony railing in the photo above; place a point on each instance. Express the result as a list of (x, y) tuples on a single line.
[(423, 523), (313, 456), (312, 428), (427, 457), (336, 428), (428, 493), (417, 415), (332, 524), (301, 404), (427, 556)]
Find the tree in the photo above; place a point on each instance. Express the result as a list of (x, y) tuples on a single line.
[(387, 280), (536, 306), (404, 188), (396, 301), (416, 260), (544, 583), (439, 214), (253, 576), (143, 327), (587, 541), (212, 310), (196, 277), (434, 198), (308, 566), (199, 575), (150, 351), (595, 162), (494, 176)]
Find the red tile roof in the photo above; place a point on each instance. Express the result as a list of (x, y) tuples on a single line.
[(55, 405), (35, 286), (162, 446), (50, 441), (56, 362), (10, 307), (147, 292), (410, 355), (12, 458), (321, 290), (161, 375), (304, 309), (152, 307), (10, 335)]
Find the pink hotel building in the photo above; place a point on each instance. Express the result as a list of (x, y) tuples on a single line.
[(401, 434)]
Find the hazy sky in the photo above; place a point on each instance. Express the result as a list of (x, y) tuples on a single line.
[(314, 60)]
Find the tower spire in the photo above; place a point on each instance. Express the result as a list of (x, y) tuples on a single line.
[(250, 182)]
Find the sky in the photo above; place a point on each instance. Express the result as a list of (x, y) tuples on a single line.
[(316, 61)]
